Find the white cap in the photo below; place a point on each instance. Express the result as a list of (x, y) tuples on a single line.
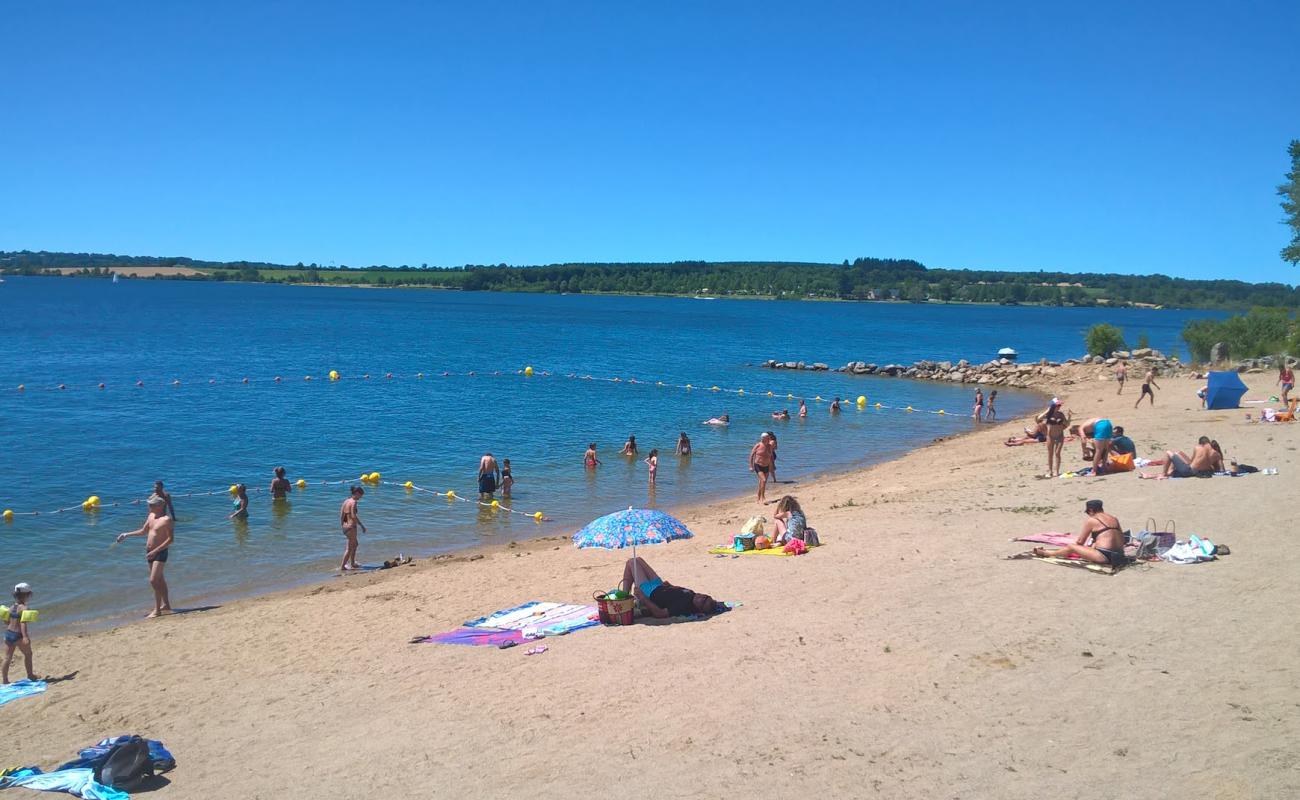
[(23, 588), (1056, 401)]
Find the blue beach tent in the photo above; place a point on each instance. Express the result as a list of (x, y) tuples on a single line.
[(1224, 390)]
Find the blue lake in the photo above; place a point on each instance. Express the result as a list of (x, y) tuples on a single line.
[(64, 445)]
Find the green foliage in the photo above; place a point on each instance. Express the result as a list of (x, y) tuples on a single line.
[(1290, 192), (1261, 332), (1143, 340), (1103, 339)]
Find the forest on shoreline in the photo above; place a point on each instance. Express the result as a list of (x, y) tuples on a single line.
[(861, 279)]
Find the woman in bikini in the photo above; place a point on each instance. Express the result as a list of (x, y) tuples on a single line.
[(979, 404), (629, 447), (1106, 535), (1056, 421), (683, 444), (589, 458)]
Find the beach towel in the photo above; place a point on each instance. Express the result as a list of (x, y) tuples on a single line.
[(76, 782), (20, 689), (476, 637), (94, 756), (505, 618), (1104, 569), (726, 606), (536, 619), (729, 550), (1055, 539)]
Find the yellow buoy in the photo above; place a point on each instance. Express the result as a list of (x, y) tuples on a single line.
[(862, 399), (537, 516), (496, 504), (408, 486), (688, 386), (8, 515), (909, 408), (451, 495), (941, 412), (878, 405), (234, 488), (93, 500), (374, 477), (302, 484), (528, 371), (334, 374), (85, 505), (769, 394)]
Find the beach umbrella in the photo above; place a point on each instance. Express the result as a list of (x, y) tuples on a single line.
[(632, 528)]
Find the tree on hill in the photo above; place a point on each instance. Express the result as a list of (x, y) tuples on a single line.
[(1290, 192)]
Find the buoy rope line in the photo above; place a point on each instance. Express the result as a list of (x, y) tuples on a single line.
[(333, 376), (94, 504)]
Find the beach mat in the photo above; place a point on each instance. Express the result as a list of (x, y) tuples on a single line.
[(730, 550), (20, 689), (1057, 539), (1104, 569), (536, 619), (475, 637)]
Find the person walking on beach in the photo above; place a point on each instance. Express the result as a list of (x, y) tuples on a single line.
[(653, 461), (1148, 382), (489, 476), (167, 498), (1121, 375), (629, 447), (241, 503), (991, 413), (589, 459), (507, 478), (760, 463), (803, 408), (1286, 378), (683, 444), (771, 438), (979, 404), (17, 635), (280, 486), (350, 520), (159, 532)]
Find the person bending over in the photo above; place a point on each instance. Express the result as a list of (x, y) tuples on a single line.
[(1101, 541), (659, 598)]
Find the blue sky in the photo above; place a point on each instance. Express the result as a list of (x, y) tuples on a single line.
[(1126, 137)]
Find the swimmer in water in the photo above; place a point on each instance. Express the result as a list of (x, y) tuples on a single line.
[(835, 406), (280, 486), (629, 447), (589, 458), (652, 461), (782, 414), (803, 408), (241, 503), (507, 479), (683, 444), (722, 420)]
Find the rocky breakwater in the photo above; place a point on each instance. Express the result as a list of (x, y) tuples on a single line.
[(1042, 374)]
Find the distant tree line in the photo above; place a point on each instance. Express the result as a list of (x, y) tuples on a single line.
[(860, 279)]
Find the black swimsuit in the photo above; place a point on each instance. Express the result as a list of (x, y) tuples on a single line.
[(1114, 558)]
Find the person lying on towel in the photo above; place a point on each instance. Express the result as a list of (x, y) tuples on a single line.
[(1107, 545), (659, 598)]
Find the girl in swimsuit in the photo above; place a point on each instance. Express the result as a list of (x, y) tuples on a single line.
[(683, 444), (16, 635), (629, 447), (589, 457), (653, 461), (241, 502), (507, 480)]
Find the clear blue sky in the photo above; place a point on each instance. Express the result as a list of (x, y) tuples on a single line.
[(1128, 137)]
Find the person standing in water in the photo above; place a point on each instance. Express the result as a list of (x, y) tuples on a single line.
[(991, 413), (683, 444), (241, 502), (280, 486), (629, 447), (803, 408), (159, 532), (350, 520), (589, 459), (760, 463), (835, 406), (507, 478), (167, 498), (652, 461), (1147, 383), (489, 476), (1121, 375), (979, 404)]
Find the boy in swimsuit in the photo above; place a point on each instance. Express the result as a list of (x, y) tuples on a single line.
[(589, 458), (1147, 383), (16, 634), (1107, 540), (350, 520), (507, 479), (159, 532), (280, 486), (760, 463)]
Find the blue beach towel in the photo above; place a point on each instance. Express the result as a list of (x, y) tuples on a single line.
[(76, 782), (15, 691)]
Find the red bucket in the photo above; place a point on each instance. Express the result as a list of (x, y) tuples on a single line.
[(613, 612)]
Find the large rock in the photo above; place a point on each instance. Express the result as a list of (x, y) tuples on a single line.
[(1142, 352), (1122, 354), (1219, 353), (820, 367)]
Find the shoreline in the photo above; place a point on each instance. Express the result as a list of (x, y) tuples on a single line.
[(908, 654)]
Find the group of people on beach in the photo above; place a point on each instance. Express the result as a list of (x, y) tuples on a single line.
[(981, 411)]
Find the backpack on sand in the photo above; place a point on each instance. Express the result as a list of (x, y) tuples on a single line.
[(126, 766)]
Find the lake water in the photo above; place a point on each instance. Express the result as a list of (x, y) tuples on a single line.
[(62, 446)]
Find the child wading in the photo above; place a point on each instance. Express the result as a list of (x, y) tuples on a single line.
[(16, 635)]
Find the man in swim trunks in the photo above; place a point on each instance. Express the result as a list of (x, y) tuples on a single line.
[(159, 530), (1203, 462), (1099, 432), (489, 475), (1107, 540), (1121, 375), (659, 598), (350, 520), (1148, 382), (760, 463)]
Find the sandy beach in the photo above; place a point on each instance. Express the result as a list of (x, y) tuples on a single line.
[(906, 658)]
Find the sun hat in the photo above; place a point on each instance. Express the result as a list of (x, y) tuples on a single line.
[(23, 588)]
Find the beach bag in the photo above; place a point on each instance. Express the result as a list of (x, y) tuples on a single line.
[(126, 766), (743, 542), (1120, 463), (754, 525), (1153, 542), (810, 537), (613, 611)]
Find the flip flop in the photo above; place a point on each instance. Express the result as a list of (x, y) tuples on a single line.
[(536, 651)]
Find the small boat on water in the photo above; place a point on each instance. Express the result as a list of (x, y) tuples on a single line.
[(1007, 353), (114, 277)]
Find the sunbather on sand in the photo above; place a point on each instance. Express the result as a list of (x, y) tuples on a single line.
[(661, 599), (1035, 435), (1203, 462), (1106, 535)]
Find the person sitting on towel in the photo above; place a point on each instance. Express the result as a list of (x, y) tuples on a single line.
[(1107, 545), (1121, 444), (661, 599)]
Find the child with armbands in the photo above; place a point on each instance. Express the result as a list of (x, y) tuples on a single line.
[(15, 619)]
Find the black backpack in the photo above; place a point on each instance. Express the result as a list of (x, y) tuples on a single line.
[(126, 766)]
